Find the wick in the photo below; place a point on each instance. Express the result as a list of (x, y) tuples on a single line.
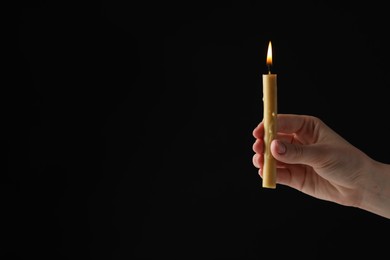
[(269, 68)]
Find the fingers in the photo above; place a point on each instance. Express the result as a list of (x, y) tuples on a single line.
[(290, 123), (293, 131), (306, 129), (258, 132), (257, 160), (293, 175), (258, 145)]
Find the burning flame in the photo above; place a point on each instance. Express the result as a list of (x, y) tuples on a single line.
[(269, 54)]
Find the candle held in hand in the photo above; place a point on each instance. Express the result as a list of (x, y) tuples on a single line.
[(269, 119)]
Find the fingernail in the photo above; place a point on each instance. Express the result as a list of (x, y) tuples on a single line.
[(281, 148)]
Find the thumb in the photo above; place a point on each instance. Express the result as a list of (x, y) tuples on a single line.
[(296, 154)]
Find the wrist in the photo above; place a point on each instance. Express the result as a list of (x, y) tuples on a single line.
[(376, 191)]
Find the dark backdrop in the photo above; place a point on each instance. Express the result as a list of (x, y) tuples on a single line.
[(127, 128)]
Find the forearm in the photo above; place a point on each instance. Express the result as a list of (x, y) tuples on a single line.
[(376, 196)]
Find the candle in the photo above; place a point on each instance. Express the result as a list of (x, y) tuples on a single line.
[(269, 119)]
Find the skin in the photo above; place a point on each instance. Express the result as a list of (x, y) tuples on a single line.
[(315, 160)]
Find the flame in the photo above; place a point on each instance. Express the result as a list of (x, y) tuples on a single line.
[(269, 54)]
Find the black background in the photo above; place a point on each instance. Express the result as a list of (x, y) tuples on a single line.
[(127, 128)]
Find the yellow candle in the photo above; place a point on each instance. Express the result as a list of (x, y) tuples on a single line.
[(269, 119)]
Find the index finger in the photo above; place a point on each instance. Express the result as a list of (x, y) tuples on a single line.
[(258, 132), (286, 123), (291, 123)]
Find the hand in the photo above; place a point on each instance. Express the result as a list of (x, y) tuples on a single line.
[(314, 159)]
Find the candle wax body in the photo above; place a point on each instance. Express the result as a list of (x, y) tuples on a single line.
[(269, 119)]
